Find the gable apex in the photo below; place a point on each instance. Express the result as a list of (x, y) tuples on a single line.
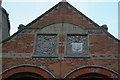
[(63, 12), (63, 1)]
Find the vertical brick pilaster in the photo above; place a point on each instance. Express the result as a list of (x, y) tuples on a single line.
[(61, 38), (61, 49), (61, 43)]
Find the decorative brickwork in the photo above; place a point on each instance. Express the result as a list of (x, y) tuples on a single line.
[(50, 34)]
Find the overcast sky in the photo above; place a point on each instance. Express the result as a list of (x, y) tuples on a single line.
[(23, 12)]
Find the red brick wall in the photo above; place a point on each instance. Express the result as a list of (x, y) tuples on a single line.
[(21, 43), (103, 44), (59, 67), (98, 44)]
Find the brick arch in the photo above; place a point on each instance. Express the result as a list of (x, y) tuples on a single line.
[(92, 70), (27, 69)]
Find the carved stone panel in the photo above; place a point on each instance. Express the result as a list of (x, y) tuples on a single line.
[(76, 44), (46, 44)]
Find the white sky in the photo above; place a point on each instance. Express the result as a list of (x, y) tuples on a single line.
[(24, 11)]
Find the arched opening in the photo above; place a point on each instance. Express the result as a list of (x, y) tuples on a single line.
[(92, 73), (27, 72), (92, 79), (93, 76), (25, 76)]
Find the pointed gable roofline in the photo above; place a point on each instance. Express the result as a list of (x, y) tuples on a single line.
[(65, 2), (27, 26)]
